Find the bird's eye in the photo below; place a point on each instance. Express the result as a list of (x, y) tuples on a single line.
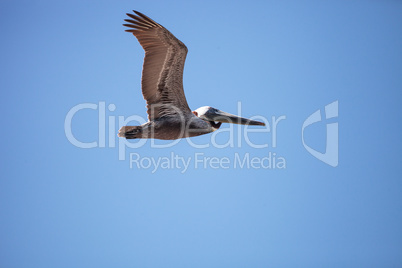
[(195, 113)]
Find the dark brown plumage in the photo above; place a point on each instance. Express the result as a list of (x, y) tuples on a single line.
[(162, 87), (162, 75)]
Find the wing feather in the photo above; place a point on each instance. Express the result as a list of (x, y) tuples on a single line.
[(162, 74)]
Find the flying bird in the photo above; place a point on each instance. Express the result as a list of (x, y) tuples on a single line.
[(162, 87)]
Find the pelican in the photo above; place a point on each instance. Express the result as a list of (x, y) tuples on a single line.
[(169, 116)]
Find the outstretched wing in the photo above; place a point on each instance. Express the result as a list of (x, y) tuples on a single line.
[(162, 74)]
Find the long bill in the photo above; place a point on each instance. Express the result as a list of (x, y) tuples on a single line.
[(220, 116)]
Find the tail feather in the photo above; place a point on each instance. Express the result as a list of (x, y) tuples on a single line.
[(130, 132)]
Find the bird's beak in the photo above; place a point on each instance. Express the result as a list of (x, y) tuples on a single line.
[(220, 116)]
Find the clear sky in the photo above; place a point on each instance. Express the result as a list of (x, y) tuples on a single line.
[(62, 205)]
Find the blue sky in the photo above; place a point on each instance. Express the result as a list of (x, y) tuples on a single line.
[(65, 206)]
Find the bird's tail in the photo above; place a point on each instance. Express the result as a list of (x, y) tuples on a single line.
[(130, 132)]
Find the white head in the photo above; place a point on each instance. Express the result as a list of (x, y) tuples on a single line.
[(211, 114)]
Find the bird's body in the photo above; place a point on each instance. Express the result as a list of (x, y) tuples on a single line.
[(162, 87), (169, 128)]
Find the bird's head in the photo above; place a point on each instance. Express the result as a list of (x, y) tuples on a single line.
[(213, 115)]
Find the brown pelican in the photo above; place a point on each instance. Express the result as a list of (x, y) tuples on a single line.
[(162, 87)]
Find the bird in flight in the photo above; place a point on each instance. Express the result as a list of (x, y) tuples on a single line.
[(169, 116)]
